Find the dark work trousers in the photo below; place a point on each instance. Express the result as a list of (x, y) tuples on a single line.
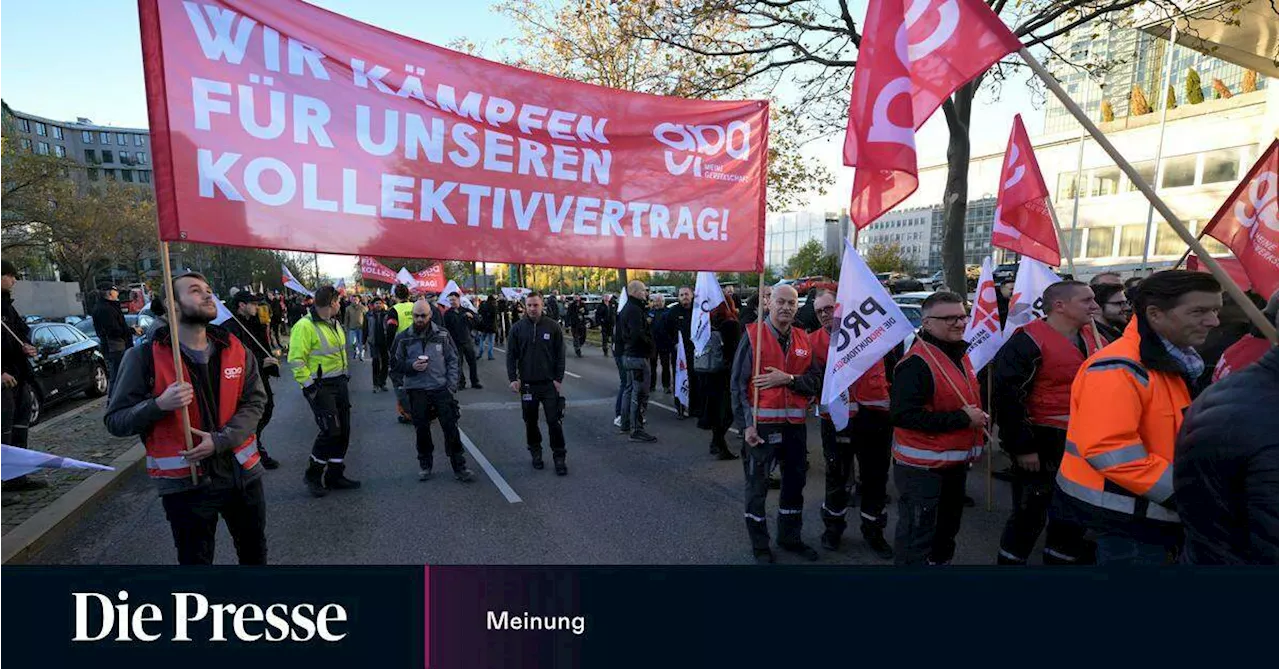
[(113, 368), (623, 380), (1032, 495), (867, 436), (668, 361), (930, 504), (606, 336), (379, 360), (543, 394), (16, 415), (331, 405), (426, 406), (193, 518), (579, 338), (784, 443), (467, 350)]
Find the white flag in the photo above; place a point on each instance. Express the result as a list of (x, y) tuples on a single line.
[(292, 283), (463, 299), (983, 334), (868, 326), (515, 293), (622, 299), (404, 277), (707, 295), (15, 462), (1025, 304), (224, 314), (682, 372)]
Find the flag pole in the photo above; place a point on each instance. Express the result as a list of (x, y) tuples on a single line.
[(1252, 311), (171, 310), (755, 367), (1164, 117), (1071, 256)]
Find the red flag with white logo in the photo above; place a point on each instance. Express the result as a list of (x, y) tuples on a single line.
[(914, 54), (1247, 222), (1023, 223)]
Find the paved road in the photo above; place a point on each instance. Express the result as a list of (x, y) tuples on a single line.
[(667, 502)]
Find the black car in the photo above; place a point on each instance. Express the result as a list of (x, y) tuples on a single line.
[(67, 363)]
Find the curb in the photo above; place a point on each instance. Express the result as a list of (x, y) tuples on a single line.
[(54, 520)]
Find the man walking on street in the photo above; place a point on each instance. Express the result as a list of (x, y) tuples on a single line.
[(771, 408), (114, 334), (18, 374), (576, 319), (487, 326), (636, 341), (1031, 378), (535, 368), (459, 321), (425, 355), (253, 336), (606, 316), (1127, 406), (318, 355), (223, 397), (353, 320), (377, 342), (938, 422)]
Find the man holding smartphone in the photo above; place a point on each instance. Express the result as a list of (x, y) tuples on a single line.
[(425, 356)]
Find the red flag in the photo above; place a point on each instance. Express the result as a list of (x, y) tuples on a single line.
[(372, 270), (914, 54), (1247, 222), (430, 279), (1023, 224), (1231, 266)]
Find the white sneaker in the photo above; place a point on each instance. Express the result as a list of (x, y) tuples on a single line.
[(617, 421)]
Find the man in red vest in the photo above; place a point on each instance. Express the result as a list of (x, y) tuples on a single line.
[(1032, 377), (868, 435), (771, 407), (224, 399), (938, 430)]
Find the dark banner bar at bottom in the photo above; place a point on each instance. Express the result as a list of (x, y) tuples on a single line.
[(619, 617)]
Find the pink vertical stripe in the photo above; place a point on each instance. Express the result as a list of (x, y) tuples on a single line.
[(426, 616)]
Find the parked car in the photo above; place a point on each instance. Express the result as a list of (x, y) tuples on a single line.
[(915, 297), (72, 320), (67, 362), (1005, 272), (912, 312), (32, 318), (135, 321)]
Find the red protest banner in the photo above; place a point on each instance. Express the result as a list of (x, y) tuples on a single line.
[(914, 55), (430, 279), (1247, 223), (282, 125), (372, 270), (1023, 224)]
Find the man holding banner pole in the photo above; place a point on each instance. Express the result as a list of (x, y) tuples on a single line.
[(771, 407)]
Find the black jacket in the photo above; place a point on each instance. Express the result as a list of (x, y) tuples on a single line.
[(1225, 469), (606, 317), (912, 390), (535, 351), (487, 322), (110, 326), (254, 345), (1014, 370), (806, 317), (633, 330), (458, 322), (678, 321), (1109, 333), (16, 363), (376, 333), (575, 315)]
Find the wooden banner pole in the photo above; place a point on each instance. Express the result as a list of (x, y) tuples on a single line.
[(171, 305)]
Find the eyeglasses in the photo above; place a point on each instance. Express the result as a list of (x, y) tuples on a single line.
[(827, 310), (949, 320)]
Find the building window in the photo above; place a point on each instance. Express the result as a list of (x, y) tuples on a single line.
[(90, 156), (1100, 242), (42, 129), (122, 139), (24, 124), (1179, 171), (1168, 243), (1131, 240), (127, 175), (1105, 182), (1147, 170), (26, 144), (57, 132), (1221, 166), (42, 148), (93, 174), (144, 177), (138, 141), (1066, 186), (86, 136), (104, 137), (107, 157), (142, 158), (60, 151)]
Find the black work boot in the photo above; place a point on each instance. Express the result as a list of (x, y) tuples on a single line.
[(265, 458), (877, 543), (463, 474), (801, 549), (561, 467), (537, 459), (831, 539), (314, 478), (335, 478)]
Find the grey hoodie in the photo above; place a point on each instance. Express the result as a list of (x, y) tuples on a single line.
[(442, 370)]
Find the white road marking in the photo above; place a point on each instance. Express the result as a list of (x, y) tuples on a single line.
[(498, 348), (572, 374), (673, 410), (501, 483)]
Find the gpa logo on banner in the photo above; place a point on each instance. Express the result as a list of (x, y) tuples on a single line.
[(99, 619), (689, 145)]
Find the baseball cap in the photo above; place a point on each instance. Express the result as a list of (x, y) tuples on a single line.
[(244, 297)]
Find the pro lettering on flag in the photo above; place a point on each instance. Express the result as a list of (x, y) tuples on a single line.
[(292, 283), (914, 54), (372, 270), (983, 333), (279, 124), (867, 326), (1247, 223), (1022, 222), (707, 295), (1026, 305)]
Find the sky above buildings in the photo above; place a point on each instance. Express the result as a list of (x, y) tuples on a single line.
[(81, 58)]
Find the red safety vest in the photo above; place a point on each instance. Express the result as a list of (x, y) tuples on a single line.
[(165, 441), (1049, 403), (820, 339), (781, 404), (941, 449), (871, 390), (1239, 355)]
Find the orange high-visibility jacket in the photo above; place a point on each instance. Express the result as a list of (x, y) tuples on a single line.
[(1125, 417)]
